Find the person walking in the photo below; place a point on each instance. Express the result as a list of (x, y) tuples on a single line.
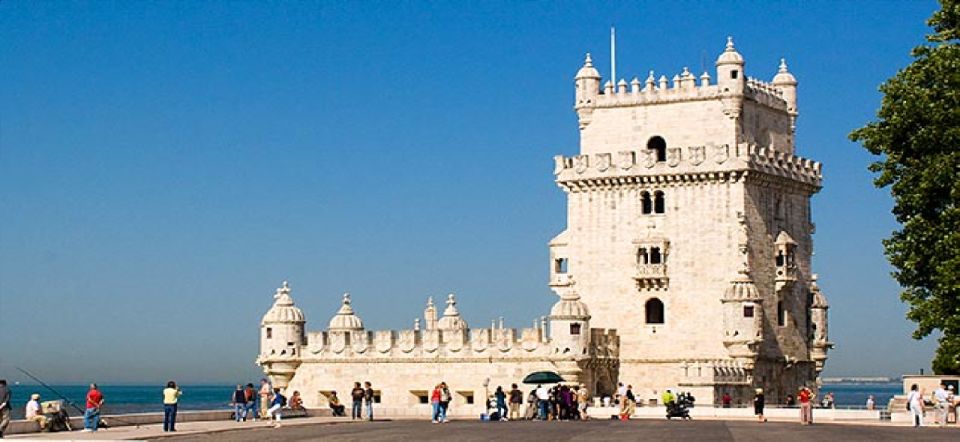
[(445, 398), (501, 402), (171, 395), (368, 398), (279, 401), (4, 406), (758, 403), (435, 404), (250, 395), (91, 415), (357, 396), (516, 398), (583, 401), (915, 404), (941, 404), (265, 390), (805, 396), (239, 404)]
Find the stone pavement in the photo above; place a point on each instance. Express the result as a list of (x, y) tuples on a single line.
[(637, 429), (186, 429)]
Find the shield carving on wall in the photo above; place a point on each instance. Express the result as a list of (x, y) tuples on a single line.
[(698, 154), (338, 341), (481, 340), (649, 158), (626, 160), (721, 153), (408, 340), (673, 156), (580, 163), (383, 341), (359, 341), (431, 340), (603, 162)]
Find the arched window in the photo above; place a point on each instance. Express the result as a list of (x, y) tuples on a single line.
[(655, 256), (646, 203), (642, 257), (658, 202), (658, 144), (653, 310)]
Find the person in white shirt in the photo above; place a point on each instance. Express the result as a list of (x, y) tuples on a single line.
[(940, 397), (33, 413), (915, 402), (870, 403), (543, 401)]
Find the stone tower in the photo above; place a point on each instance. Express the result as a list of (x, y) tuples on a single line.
[(689, 230), (281, 338)]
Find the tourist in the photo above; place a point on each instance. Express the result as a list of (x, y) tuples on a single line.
[(941, 404), (265, 389), (806, 398), (758, 403), (435, 404), (91, 415), (621, 390), (251, 398), (335, 405), (628, 401), (296, 402), (32, 412), (357, 395), (516, 398), (583, 401), (953, 404), (667, 398), (239, 404), (368, 398), (279, 401), (726, 400), (791, 402), (915, 405), (501, 402), (871, 404), (171, 395), (4, 406), (543, 401), (445, 398), (532, 409)]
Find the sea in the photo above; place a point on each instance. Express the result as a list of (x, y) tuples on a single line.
[(122, 399)]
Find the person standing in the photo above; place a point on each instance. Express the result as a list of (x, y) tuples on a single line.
[(265, 390), (4, 406), (240, 404), (279, 401), (357, 395), (871, 404), (435, 404), (915, 403), (543, 401), (758, 403), (583, 401), (171, 395), (445, 398), (91, 415), (805, 396), (941, 404), (368, 398), (726, 400), (516, 398), (250, 395), (501, 397)]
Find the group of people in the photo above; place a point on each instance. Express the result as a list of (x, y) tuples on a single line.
[(944, 402), (805, 396), (562, 402), (265, 403), (360, 396)]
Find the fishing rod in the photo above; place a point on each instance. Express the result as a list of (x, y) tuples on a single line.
[(65, 399)]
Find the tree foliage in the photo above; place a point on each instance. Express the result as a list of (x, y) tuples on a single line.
[(917, 138)]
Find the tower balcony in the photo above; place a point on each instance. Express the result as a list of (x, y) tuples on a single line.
[(651, 276)]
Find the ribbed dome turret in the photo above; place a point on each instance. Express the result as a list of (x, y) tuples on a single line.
[(742, 287), (570, 306), (819, 300), (451, 319), (345, 319), (730, 54), (588, 71), (784, 77), (283, 310)]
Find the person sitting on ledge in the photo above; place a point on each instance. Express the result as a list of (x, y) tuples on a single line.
[(336, 406), (33, 413), (296, 402)]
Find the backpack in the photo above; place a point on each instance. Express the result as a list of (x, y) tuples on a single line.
[(283, 400)]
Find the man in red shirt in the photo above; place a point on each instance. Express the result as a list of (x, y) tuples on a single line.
[(91, 416), (806, 406)]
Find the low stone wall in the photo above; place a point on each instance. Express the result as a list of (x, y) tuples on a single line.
[(119, 420), (819, 414)]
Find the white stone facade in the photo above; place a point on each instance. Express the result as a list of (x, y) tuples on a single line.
[(685, 262)]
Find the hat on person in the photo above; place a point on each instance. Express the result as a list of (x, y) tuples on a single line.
[(949, 387), (759, 390), (35, 397)]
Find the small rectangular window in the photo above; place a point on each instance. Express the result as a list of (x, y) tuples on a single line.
[(560, 265), (269, 333), (574, 329), (289, 344), (422, 396), (467, 396), (734, 74), (748, 311)]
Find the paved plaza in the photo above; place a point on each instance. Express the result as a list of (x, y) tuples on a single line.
[(660, 430)]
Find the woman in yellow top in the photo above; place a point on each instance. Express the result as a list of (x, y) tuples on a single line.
[(171, 395)]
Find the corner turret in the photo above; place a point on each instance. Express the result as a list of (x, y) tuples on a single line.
[(742, 318), (731, 79), (569, 323), (787, 83), (587, 83), (281, 337), (819, 342)]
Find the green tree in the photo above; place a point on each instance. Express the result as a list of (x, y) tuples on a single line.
[(917, 137)]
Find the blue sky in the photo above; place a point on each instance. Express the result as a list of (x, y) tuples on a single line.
[(165, 165)]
